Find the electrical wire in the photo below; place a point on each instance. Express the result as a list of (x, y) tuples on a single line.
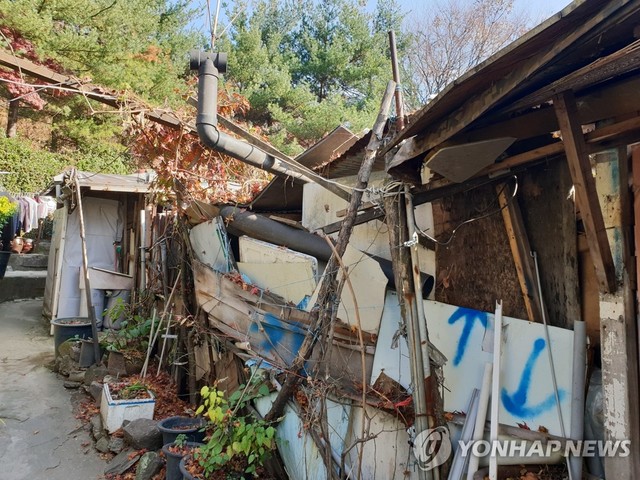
[(471, 220)]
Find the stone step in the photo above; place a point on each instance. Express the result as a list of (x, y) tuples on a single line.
[(28, 261), (22, 284)]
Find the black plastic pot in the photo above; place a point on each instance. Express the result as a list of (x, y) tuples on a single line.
[(173, 460), (185, 475), (173, 426), (67, 328)]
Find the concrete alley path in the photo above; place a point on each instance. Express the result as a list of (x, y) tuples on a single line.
[(39, 436)]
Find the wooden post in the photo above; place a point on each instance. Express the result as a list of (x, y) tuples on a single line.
[(521, 251), (585, 186), (618, 329), (321, 318), (396, 78), (85, 265), (635, 170)]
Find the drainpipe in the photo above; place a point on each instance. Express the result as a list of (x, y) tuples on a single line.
[(210, 66), (240, 222)]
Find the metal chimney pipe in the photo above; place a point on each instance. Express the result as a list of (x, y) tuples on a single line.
[(209, 67)]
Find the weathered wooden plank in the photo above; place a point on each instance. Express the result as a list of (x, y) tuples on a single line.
[(610, 101), (211, 287), (618, 63), (549, 216), (521, 251), (586, 194), (621, 133), (618, 321), (476, 266), (635, 170)]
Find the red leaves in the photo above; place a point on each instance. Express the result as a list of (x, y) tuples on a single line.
[(194, 172), (19, 89)]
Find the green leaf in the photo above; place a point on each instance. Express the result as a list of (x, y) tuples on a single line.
[(263, 391)]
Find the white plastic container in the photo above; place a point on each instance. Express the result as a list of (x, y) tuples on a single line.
[(115, 412)]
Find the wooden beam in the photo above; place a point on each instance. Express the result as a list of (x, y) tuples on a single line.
[(470, 110), (521, 251), (621, 133), (362, 217), (635, 189), (585, 186), (618, 320), (613, 100), (616, 64)]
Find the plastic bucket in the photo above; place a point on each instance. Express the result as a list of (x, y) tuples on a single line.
[(173, 460), (67, 328), (189, 426)]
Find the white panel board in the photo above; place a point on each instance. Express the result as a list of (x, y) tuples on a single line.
[(292, 281), (210, 245), (301, 456), (387, 456), (526, 390), (390, 359), (257, 251), (319, 208), (369, 285)]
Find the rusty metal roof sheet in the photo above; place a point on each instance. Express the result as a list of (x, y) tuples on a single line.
[(282, 194)]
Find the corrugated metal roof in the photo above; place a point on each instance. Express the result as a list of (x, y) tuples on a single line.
[(282, 194)]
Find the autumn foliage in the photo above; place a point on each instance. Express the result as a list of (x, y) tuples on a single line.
[(193, 171)]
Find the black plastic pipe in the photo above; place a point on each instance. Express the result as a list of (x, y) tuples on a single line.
[(257, 226), (209, 67)]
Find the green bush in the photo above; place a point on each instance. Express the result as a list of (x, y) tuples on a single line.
[(31, 169)]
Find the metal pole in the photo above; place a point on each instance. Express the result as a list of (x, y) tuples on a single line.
[(495, 387), (423, 334), (85, 265), (576, 426), (478, 429), (416, 338), (550, 355), (396, 78)]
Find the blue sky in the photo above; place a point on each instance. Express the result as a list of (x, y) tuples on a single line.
[(535, 8), (538, 10)]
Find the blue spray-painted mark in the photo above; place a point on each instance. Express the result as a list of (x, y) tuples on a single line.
[(516, 403), (285, 338), (469, 316)]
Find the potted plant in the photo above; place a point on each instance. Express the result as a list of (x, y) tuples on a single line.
[(174, 451), (239, 442), (7, 210)]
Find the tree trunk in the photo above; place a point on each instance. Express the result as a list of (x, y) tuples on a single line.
[(327, 295), (12, 118)]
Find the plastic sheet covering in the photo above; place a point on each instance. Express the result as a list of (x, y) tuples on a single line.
[(103, 226)]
